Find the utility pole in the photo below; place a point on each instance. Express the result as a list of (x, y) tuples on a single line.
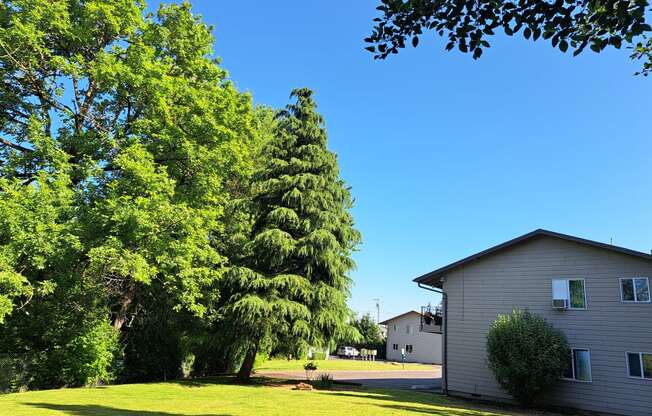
[(377, 300)]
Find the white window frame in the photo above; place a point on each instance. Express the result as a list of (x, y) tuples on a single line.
[(640, 360), (590, 380), (622, 298), (568, 290), (409, 330), (394, 327)]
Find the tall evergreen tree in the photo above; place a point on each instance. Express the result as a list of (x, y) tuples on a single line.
[(292, 281)]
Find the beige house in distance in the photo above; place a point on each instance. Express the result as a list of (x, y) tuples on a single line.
[(597, 294), (404, 334)]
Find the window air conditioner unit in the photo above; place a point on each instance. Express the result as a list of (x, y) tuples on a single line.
[(560, 303)]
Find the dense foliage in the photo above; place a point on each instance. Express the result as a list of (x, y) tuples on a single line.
[(369, 330), (368, 335), (467, 24), (126, 166), (526, 354), (291, 284)]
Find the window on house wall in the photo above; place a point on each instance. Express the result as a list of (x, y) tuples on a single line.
[(408, 348), (636, 289), (395, 347), (572, 290), (579, 366), (408, 329), (639, 365), (394, 327)]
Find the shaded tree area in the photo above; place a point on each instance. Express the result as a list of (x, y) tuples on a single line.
[(131, 171), (467, 25)]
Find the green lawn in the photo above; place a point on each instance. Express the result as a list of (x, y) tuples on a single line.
[(221, 397), (334, 365)]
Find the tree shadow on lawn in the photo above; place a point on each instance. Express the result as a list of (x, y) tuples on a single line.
[(231, 380), (433, 404), (97, 410)]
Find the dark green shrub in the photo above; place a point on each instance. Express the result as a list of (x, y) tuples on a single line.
[(324, 381), (526, 354), (13, 372)]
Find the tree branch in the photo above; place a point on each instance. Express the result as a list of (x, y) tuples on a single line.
[(15, 146)]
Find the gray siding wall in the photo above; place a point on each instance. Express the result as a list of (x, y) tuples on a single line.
[(520, 277)]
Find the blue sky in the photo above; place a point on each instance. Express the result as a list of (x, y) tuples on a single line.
[(448, 156)]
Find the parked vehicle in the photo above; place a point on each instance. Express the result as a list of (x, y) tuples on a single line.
[(347, 352)]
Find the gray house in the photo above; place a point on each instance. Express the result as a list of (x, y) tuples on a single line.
[(405, 335), (597, 294)]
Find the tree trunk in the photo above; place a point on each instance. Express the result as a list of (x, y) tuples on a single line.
[(125, 303), (248, 364)]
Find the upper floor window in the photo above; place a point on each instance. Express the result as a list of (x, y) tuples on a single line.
[(639, 365), (408, 329), (569, 294), (394, 327), (636, 289), (579, 367)]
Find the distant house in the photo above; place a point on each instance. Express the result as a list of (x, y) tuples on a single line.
[(404, 334), (597, 294)]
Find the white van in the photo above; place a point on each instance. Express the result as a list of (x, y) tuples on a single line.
[(347, 352)]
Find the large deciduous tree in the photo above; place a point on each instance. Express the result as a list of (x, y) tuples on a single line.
[(121, 143), (292, 281), (574, 24)]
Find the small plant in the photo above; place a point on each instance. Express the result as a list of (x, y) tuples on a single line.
[(526, 354), (187, 365), (310, 368), (324, 381)]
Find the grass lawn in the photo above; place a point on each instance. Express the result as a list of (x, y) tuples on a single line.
[(334, 365), (220, 397)]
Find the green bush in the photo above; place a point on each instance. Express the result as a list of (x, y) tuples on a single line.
[(318, 356), (88, 359), (526, 354), (324, 381)]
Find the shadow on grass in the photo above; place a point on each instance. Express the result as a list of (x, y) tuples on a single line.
[(255, 381), (97, 410), (430, 403)]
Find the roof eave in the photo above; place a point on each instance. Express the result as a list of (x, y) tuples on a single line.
[(434, 277), (430, 279)]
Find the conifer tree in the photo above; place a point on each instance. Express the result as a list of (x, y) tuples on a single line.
[(292, 282)]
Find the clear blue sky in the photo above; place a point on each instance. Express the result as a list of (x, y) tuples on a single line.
[(448, 156)]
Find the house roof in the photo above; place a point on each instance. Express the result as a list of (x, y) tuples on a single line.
[(385, 322), (433, 278)]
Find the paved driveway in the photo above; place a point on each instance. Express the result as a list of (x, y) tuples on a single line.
[(395, 379)]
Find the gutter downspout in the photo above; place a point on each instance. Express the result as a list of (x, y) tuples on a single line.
[(445, 335)]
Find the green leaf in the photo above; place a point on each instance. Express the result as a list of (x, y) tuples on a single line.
[(563, 45)]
